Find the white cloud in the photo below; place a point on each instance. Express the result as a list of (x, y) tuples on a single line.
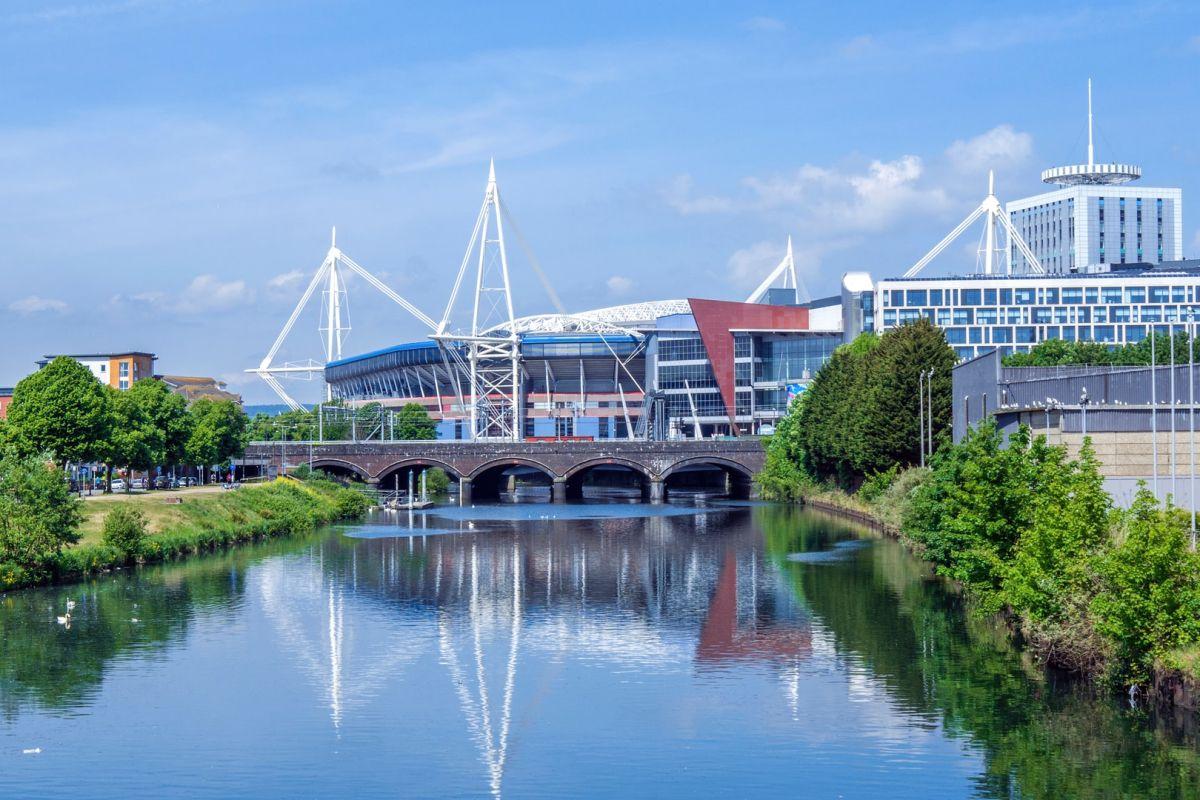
[(37, 305), (206, 294), (859, 46), (619, 284), (285, 279), (679, 197), (1002, 146), (765, 24)]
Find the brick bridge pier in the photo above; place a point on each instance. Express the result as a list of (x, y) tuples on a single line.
[(480, 467)]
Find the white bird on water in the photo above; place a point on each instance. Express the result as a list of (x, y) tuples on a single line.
[(471, 526), (70, 606), (65, 620)]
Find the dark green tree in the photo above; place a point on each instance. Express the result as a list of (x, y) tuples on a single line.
[(38, 513), (167, 412), (413, 422), (63, 410), (890, 407)]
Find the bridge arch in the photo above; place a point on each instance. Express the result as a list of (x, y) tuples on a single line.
[(698, 472), (417, 462), (339, 467), (488, 480), (611, 472)]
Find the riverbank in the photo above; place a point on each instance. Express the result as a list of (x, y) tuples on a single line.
[(1174, 680), (186, 524)]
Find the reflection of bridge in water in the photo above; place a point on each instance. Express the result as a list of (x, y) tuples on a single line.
[(491, 606), (480, 468)]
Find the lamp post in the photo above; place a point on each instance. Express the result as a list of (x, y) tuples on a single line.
[(1192, 417), (929, 406), (921, 413), (1083, 404), (1154, 409), (1174, 461)]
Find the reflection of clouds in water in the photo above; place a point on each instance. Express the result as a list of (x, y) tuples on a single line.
[(349, 664)]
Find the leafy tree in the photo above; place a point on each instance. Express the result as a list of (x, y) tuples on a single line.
[(783, 475), (135, 442), (413, 423), (967, 517), (125, 530), (167, 411), (218, 432), (38, 513), (1050, 574), (1056, 352), (1149, 600), (62, 410)]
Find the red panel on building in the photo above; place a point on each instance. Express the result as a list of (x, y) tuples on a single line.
[(716, 319)]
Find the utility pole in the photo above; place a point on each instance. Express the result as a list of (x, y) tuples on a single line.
[(1192, 417), (1154, 408), (929, 406)]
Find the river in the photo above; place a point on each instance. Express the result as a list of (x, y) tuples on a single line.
[(595, 650)]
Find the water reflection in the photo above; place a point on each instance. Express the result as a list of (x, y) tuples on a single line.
[(725, 650)]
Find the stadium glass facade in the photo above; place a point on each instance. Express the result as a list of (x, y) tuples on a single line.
[(725, 368)]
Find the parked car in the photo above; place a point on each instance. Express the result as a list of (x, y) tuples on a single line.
[(118, 485), (162, 482), (138, 483), (189, 481)]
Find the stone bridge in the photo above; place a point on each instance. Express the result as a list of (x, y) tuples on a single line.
[(480, 467)]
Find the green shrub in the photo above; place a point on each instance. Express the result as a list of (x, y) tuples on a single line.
[(876, 484), (125, 530), (436, 481), (1149, 598), (351, 504)]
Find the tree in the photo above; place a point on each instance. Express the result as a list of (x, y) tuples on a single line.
[(218, 432), (895, 394), (63, 410), (167, 411), (38, 513), (413, 422), (135, 442), (1149, 600)]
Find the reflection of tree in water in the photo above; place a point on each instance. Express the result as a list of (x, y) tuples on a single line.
[(47, 665), (1041, 737)]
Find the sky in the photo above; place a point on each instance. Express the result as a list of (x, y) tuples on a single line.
[(170, 169)]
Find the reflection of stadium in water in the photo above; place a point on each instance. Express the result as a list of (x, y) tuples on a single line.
[(500, 609)]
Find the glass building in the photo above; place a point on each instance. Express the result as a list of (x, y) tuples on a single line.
[(1011, 313)]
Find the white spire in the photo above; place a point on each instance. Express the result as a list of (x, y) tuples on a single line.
[(333, 237), (491, 171), (1091, 149)]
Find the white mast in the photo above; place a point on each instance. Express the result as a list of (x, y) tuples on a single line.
[(334, 324), (1091, 149), (994, 213), (785, 268), (493, 345)]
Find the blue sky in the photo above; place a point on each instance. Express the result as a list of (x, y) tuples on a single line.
[(169, 169)]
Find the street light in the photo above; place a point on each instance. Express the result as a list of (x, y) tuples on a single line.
[(1083, 404), (921, 412)]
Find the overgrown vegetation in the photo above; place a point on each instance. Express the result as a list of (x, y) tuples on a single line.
[(1027, 531), (30, 555)]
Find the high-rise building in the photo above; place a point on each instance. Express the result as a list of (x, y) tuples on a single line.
[(1096, 217)]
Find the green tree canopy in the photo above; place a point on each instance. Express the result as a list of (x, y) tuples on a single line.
[(63, 410), (38, 513), (218, 432), (413, 422), (167, 411), (135, 441)]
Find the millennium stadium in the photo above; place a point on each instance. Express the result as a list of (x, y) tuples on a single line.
[(680, 368)]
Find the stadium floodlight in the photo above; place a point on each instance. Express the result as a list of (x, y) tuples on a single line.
[(334, 325)]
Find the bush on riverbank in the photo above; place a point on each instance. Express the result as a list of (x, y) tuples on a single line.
[(1031, 534), (202, 523)]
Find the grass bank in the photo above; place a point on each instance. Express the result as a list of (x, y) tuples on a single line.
[(202, 522)]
